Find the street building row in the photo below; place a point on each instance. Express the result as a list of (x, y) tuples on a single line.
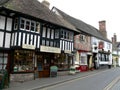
[(33, 38)]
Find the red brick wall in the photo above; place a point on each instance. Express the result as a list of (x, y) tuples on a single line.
[(82, 45)]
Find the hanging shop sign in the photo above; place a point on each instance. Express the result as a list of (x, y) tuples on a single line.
[(101, 45), (50, 49), (26, 46)]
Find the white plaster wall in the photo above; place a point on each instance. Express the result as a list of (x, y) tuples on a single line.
[(7, 40), (2, 22), (9, 24), (1, 39)]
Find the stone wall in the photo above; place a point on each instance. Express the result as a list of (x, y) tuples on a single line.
[(21, 77)]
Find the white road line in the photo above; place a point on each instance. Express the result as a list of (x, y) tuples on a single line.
[(110, 85)]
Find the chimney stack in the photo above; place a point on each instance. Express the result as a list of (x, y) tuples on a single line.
[(46, 3), (114, 38), (102, 28)]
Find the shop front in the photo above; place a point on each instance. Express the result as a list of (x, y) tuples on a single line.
[(43, 63), (83, 62), (4, 60), (46, 58), (22, 65)]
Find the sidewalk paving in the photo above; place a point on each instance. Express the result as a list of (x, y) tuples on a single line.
[(43, 82)]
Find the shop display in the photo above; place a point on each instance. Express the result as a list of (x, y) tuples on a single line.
[(23, 61)]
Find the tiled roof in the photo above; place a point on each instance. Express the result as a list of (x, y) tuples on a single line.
[(82, 26), (35, 9)]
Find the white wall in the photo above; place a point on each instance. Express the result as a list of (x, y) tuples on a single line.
[(2, 22), (7, 40), (1, 39), (9, 24)]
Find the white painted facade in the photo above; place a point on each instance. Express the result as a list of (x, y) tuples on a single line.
[(107, 47)]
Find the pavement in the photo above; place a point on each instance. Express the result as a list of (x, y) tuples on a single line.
[(44, 82)]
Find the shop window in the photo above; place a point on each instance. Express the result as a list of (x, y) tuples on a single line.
[(3, 60), (61, 62), (23, 61), (83, 59)]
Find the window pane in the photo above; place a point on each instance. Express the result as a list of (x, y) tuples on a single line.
[(48, 33), (22, 24), (32, 26), (43, 42), (38, 27), (23, 61), (52, 34), (44, 32), (51, 43), (27, 25), (62, 34), (47, 43), (56, 33), (65, 35), (16, 23)]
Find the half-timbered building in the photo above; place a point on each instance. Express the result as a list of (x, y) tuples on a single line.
[(87, 49), (32, 39)]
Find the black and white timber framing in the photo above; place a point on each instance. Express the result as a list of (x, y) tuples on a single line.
[(19, 32)]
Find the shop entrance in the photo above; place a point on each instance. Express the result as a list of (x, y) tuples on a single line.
[(44, 61)]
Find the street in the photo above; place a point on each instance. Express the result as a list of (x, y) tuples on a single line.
[(104, 80)]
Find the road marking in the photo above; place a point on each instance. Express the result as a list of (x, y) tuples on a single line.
[(111, 84)]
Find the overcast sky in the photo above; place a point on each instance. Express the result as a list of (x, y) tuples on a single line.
[(93, 11)]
